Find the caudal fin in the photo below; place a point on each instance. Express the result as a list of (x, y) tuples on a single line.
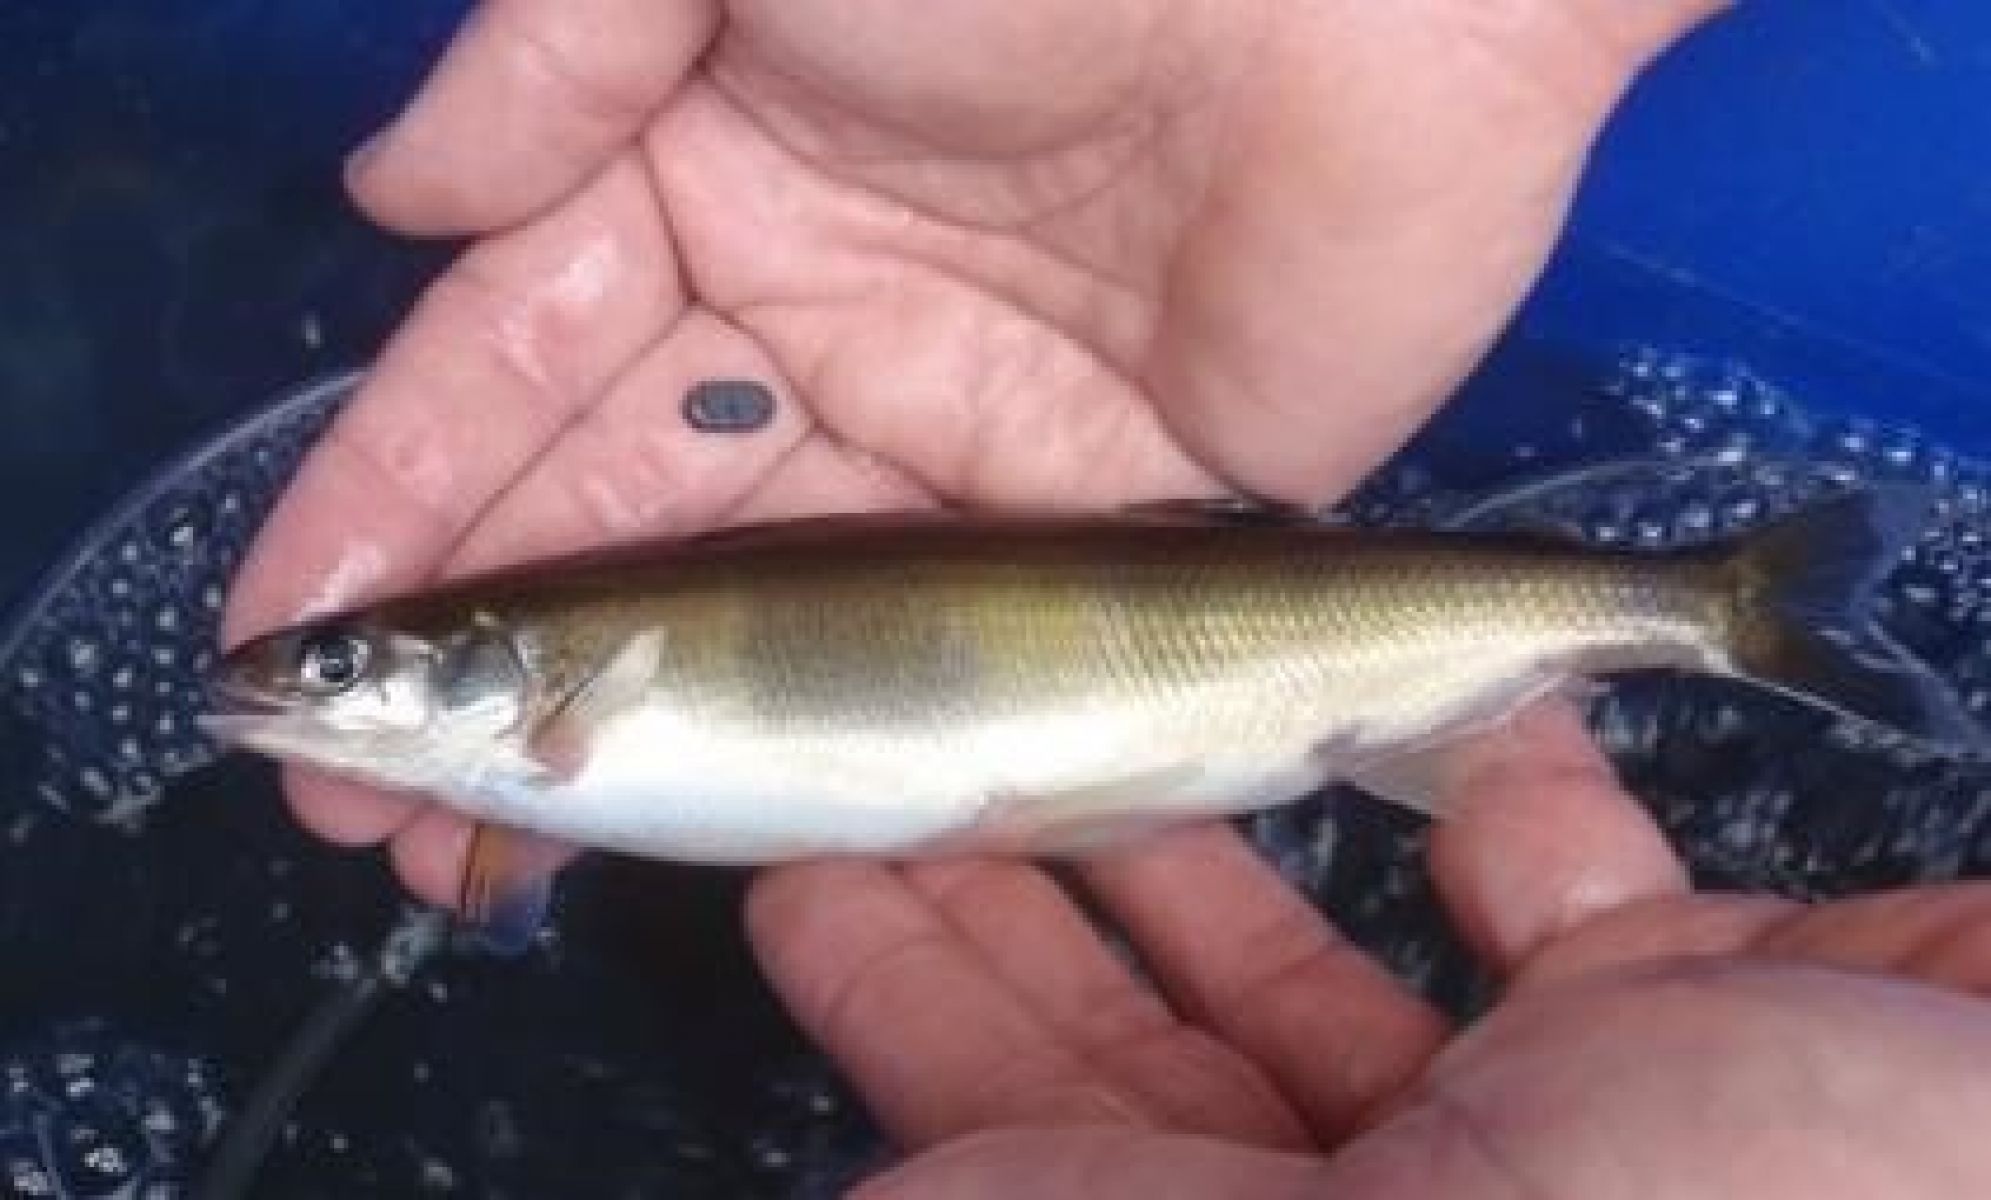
[(1808, 586)]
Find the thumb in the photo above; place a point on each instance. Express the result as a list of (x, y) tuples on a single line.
[(532, 97), (1094, 1163)]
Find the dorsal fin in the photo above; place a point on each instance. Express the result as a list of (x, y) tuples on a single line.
[(1224, 510)]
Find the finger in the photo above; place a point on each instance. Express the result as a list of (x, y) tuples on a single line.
[(1938, 935), (343, 812), (429, 855), (633, 466), (532, 97), (1031, 934), (522, 334), (1080, 1164), (823, 476), (1935, 935), (519, 336), (928, 1033), (1239, 950), (1539, 837), (1645, 932)]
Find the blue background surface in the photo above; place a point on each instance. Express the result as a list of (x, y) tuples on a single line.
[(1803, 185)]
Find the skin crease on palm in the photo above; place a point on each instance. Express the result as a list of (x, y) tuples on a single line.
[(1040, 252)]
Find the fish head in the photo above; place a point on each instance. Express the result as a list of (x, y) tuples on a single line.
[(415, 705)]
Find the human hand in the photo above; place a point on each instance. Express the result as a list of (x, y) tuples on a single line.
[(1063, 254), (1651, 1042)]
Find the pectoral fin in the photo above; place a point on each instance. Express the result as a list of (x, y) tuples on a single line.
[(1419, 775), (560, 745), (1414, 779), (508, 886), (1230, 510)]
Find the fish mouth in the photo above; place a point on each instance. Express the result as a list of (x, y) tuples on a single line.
[(239, 698), (241, 713)]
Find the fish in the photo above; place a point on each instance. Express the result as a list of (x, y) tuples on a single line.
[(903, 685)]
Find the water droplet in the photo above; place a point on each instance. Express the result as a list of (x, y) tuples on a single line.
[(28, 678), (24, 1174), (96, 1152), (1855, 438), (182, 524), (167, 620), (1649, 530), (83, 655), (498, 1130), (1741, 512), (158, 1119), (437, 1175), (1696, 520), (1922, 590), (1764, 404)]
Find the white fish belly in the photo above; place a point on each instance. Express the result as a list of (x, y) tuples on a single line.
[(654, 787), (661, 783)]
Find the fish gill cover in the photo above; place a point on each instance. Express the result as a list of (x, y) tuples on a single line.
[(168, 925)]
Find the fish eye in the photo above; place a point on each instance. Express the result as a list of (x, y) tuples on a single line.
[(331, 661)]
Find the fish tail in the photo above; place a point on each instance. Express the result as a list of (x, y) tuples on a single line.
[(1805, 591)]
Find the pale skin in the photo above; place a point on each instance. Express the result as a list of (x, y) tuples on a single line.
[(1050, 253)]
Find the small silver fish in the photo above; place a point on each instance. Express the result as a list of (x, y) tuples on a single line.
[(907, 685)]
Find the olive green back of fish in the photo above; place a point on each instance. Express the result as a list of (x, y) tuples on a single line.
[(1245, 635)]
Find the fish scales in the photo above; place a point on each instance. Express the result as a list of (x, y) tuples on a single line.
[(1244, 639)]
